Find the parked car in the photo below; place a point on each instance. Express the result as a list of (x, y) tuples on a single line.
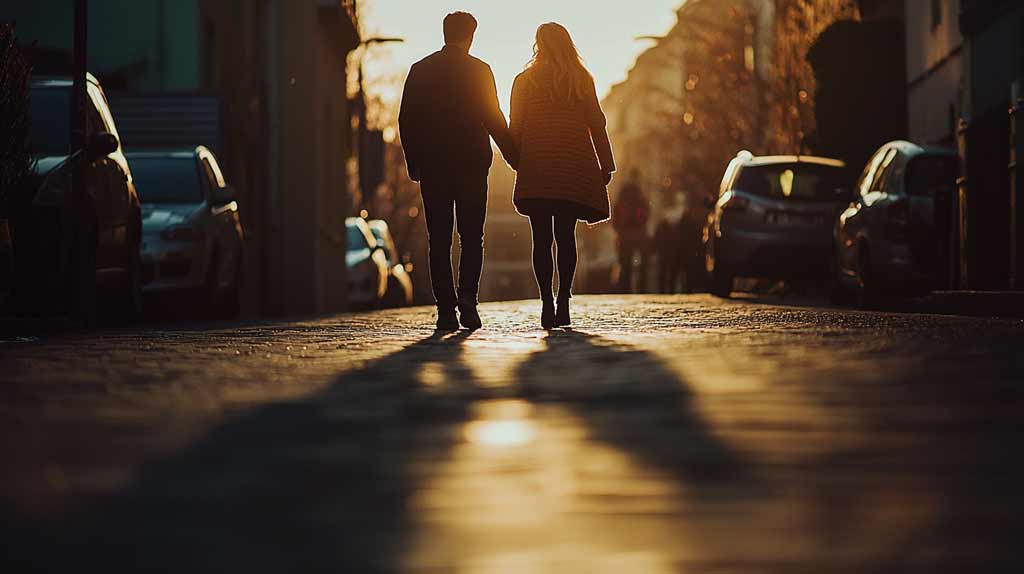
[(193, 240), (101, 227), (892, 239), (399, 292), (773, 219), (367, 265)]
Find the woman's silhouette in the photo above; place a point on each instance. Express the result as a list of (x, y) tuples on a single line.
[(565, 160)]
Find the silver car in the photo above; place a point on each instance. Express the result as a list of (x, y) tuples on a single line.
[(400, 290), (366, 264), (192, 238), (773, 218), (893, 238)]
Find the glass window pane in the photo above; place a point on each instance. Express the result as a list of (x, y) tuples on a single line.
[(931, 177), (803, 181), (167, 180), (51, 121)]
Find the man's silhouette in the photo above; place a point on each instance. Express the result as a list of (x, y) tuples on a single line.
[(449, 108)]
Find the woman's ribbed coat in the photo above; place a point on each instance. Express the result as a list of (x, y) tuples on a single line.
[(563, 146)]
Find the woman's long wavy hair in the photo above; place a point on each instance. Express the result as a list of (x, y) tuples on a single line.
[(554, 52)]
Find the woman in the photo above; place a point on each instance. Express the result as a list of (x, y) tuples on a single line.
[(565, 160)]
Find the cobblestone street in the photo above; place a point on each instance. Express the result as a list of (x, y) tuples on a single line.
[(660, 434)]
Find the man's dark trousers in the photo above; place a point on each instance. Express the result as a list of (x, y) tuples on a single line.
[(447, 200)]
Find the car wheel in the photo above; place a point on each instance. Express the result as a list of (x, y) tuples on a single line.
[(231, 305), (129, 300), (83, 288), (721, 282), (868, 294), (837, 292), (394, 296)]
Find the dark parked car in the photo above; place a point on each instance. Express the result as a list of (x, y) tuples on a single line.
[(105, 227), (400, 291), (192, 234), (890, 240), (773, 218)]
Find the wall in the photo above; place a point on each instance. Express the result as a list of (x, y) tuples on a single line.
[(934, 71), (144, 45)]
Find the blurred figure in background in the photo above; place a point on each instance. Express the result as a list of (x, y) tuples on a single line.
[(668, 246), (691, 247), (632, 210)]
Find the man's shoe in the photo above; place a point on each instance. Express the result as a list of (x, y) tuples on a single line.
[(562, 318), (447, 320), (547, 315), (469, 317)]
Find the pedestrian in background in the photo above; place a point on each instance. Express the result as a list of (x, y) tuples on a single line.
[(668, 246), (632, 210)]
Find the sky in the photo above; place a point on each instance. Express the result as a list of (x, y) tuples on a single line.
[(605, 32)]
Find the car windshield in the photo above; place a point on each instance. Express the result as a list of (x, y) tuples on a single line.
[(931, 176), (356, 239), (50, 117), (806, 181), (166, 180)]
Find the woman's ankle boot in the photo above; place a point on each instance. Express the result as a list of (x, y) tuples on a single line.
[(562, 318), (547, 314)]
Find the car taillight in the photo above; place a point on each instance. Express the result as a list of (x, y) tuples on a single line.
[(734, 202), (182, 233)]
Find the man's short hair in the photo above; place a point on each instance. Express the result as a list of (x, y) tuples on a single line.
[(459, 27)]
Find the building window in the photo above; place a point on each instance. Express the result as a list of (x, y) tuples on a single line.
[(936, 13)]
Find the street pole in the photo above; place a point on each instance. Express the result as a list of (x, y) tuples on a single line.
[(79, 95), (82, 263)]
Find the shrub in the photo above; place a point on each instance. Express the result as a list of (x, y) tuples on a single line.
[(15, 152)]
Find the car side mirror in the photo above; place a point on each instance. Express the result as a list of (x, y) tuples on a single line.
[(224, 195), (102, 144)]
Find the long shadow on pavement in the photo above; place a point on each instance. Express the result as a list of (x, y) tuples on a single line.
[(317, 485), (630, 400)]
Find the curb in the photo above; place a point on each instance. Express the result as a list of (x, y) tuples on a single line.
[(1008, 304)]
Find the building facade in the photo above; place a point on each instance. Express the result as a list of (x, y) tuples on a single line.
[(991, 194), (730, 75), (934, 70)]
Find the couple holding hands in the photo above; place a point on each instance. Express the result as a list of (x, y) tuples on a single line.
[(555, 140)]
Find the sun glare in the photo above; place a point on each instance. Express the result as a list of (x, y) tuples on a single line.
[(502, 424), (504, 38)]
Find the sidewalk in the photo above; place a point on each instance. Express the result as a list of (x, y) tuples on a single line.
[(661, 434), (977, 303)]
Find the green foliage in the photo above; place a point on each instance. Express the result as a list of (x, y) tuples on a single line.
[(15, 150)]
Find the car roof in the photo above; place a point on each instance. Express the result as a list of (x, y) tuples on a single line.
[(165, 153), (59, 81), (779, 159), (912, 149)]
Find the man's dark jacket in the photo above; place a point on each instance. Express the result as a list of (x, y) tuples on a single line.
[(449, 110)]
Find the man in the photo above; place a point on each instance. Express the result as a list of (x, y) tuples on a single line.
[(449, 110)]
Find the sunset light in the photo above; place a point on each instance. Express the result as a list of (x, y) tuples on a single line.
[(605, 33), (511, 286)]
